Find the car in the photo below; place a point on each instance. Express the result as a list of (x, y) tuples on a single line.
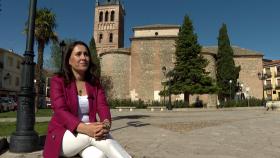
[(48, 102), (272, 105), (7, 104)]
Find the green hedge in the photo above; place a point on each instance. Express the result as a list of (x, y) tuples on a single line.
[(242, 103), (140, 104), (127, 103)]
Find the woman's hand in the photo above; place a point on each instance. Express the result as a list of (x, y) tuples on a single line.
[(91, 129), (97, 130)]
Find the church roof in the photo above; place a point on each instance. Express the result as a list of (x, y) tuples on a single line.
[(2, 50), (271, 63), (237, 51), (107, 2), (156, 26)]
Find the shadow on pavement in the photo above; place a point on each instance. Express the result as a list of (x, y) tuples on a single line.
[(132, 124), (129, 117)]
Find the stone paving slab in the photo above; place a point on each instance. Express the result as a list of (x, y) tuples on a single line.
[(231, 133)]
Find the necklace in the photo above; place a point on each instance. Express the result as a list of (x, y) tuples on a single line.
[(80, 86), (80, 92)]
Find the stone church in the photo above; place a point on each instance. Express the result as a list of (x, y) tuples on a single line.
[(136, 72)]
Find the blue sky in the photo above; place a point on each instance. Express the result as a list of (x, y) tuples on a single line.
[(252, 24)]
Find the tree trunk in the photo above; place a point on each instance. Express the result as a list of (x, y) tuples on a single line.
[(187, 99), (38, 75)]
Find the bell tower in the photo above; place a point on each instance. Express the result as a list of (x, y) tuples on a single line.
[(108, 25)]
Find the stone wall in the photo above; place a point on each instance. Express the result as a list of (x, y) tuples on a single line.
[(248, 75), (147, 59), (116, 67)]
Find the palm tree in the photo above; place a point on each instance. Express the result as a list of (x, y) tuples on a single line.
[(45, 24)]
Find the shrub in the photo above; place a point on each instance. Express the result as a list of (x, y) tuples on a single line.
[(242, 103)]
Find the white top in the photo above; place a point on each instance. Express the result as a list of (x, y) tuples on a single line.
[(83, 109)]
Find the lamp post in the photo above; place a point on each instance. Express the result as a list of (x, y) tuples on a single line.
[(25, 138), (248, 96), (230, 82), (169, 93), (241, 89), (62, 47), (164, 74), (262, 77)]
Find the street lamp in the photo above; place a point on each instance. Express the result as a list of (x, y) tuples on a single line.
[(248, 96), (164, 74), (25, 138), (262, 77), (230, 82), (169, 93), (242, 94), (62, 47)]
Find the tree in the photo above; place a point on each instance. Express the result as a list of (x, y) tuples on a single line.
[(189, 75), (95, 58), (45, 24), (54, 62), (226, 69)]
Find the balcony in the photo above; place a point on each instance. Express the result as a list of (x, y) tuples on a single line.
[(268, 86), (268, 74)]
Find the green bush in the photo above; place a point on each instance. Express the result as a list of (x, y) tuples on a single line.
[(179, 104), (140, 104), (242, 103), (113, 103)]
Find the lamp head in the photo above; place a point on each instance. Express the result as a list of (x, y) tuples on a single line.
[(163, 69), (62, 44)]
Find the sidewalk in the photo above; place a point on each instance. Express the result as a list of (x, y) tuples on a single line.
[(231, 133)]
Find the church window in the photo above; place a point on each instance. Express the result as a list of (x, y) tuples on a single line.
[(106, 16), (112, 15), (100, 16), (111, 38), (100, 38)]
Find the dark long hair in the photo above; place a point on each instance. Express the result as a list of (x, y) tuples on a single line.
[(67, 73)]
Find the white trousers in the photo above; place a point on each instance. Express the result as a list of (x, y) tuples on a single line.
[(88, 147)]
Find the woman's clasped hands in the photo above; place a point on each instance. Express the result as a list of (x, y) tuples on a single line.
[(99, 130)]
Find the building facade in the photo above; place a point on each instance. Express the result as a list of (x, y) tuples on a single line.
[(271, 83), (136, 72), (10, 72)]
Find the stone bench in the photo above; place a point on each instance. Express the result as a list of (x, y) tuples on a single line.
[(156, 107), (120, 108), (272, 105)]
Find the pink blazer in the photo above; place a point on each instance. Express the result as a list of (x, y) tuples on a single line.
[(64, 100)]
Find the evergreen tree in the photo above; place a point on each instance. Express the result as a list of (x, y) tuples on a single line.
[(95, 58), (189, 75), (226, 69)]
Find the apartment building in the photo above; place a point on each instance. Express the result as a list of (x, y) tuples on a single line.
[(272, 79), (10, 72)]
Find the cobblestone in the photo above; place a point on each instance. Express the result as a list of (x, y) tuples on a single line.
[(201, 133)]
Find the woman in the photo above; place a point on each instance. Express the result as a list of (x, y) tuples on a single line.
[(76, 98)]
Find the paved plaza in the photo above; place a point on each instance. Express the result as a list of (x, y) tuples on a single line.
[(194, 133)]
